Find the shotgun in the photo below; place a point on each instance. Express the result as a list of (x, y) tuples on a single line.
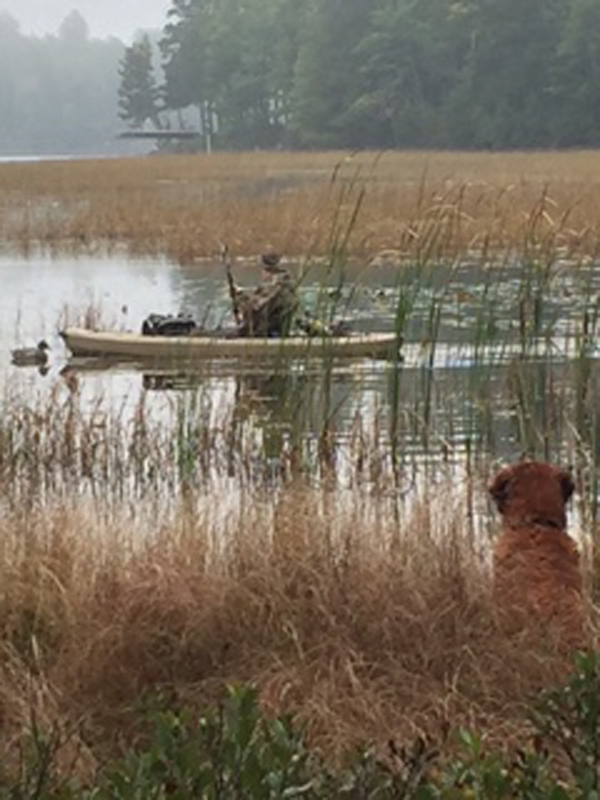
[(233, 290)]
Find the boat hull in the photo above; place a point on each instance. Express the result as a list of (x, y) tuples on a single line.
[(121, 345)]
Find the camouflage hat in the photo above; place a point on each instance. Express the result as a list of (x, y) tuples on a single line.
[(271, 263)]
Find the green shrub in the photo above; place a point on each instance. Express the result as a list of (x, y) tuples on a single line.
[(34, 776), (478, 773), (235, 752), (569, 716), (231, 752)]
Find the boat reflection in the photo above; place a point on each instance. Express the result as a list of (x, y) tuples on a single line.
[(171, 381), (280, 399)]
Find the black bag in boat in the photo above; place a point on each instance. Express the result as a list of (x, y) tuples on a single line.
[(168, 325)]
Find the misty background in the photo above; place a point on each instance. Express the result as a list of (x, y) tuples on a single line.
[(492, 74), (105, 18)]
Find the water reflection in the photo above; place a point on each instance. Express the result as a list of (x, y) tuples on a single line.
[(495, 359), (41, 369), (170, 381)]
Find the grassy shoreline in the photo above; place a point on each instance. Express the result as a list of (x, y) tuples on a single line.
[(389, 631)]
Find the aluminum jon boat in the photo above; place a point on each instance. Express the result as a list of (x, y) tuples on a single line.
[(122, 345)]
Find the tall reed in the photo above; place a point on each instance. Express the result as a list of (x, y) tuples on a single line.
[(364, 626)]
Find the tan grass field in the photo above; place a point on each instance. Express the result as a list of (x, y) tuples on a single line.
[(388, 631), (421, 203)]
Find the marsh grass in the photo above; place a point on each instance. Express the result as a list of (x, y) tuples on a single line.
[(365, 627), (273, 429), (424, 205)]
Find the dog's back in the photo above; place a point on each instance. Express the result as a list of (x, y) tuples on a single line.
[(537, 577)]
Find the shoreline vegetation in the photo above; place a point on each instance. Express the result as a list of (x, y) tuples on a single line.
[(386, 631), (132, 581)]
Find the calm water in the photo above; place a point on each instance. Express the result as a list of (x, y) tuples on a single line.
[(456, 390)]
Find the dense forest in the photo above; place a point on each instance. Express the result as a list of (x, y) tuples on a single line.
[(386, 73), (316, 74)]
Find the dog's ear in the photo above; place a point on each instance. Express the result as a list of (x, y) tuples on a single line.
[(499, 489), (566, 485)]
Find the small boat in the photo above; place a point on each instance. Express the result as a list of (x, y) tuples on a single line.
[(31, 356), (123, 345)]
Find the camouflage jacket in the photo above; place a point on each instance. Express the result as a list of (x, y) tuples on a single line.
[(269, 310)]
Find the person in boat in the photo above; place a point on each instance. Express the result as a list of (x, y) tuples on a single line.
[(270, 309)]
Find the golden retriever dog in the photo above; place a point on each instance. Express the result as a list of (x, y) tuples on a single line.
[(537, 577)]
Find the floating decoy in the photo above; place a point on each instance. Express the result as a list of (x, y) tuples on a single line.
[(31, 356)]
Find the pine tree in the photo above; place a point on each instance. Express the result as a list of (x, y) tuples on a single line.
[(138, 93)]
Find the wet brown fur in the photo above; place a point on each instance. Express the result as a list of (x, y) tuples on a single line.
[(537, 576)]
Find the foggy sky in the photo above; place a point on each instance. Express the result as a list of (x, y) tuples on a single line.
[(120, 18)]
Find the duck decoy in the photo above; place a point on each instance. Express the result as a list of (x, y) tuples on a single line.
[(31, 356)]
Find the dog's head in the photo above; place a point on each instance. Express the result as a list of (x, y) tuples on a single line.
[(532, 492)]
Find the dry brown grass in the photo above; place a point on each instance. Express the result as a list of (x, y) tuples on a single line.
[(421, 203), (364, 630)]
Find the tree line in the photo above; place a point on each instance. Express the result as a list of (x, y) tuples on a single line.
[(374, 73), (315, 74)]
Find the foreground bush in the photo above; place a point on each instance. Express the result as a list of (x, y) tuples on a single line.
[(235, 752)]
